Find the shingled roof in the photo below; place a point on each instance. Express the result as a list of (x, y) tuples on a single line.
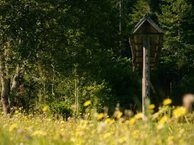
[(145, 28), (146, 20)]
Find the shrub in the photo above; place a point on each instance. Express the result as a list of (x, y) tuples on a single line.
[(60, 108)]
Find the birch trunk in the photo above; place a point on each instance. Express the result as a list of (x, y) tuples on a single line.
[(5, 87), (5, 92)]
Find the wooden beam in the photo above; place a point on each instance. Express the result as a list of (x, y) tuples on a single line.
[(146, 76)]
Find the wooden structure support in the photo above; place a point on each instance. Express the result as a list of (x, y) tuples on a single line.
[(146, 76), (145, 41)]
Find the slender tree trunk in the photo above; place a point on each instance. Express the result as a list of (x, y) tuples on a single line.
[(5, 86), (9, 90), (15, 83), (5, 92)]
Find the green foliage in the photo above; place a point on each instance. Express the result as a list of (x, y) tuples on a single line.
[(126, 85), (99, 94), (176, 19), (140, 9), (60, 108)]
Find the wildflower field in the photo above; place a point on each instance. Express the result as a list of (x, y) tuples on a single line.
[(168, 126)]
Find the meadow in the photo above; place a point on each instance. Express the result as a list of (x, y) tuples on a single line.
[(168, 126)]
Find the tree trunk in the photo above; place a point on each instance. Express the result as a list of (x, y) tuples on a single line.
[(15, 83), (5, 91), (5, 85)]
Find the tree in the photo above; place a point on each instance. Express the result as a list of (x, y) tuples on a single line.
[(176, 19), (42, 42), (27, 33)]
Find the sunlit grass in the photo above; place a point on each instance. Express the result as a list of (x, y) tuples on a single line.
[(168, 126)]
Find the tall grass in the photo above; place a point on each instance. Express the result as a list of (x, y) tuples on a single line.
[(168, 126)]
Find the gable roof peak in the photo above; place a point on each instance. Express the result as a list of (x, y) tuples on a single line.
[(150, 21)]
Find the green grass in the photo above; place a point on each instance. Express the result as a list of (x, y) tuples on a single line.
[(162, 128)]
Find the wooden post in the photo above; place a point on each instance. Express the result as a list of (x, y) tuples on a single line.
[(145, 33), (146, 76), (76, 92)]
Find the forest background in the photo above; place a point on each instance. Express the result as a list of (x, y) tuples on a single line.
[(61, 53)]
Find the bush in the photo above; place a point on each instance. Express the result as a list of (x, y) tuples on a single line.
[(60, 108)]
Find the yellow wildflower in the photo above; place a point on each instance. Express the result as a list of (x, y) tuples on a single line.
[(138, 116), (107, 135), (163, 120), (17, 112), (87, 103), (122, 140), (100, 116), (170, 140), (132, 121), (179, 111), (135, 134), (167, 101), (109, 121), (49, 119), (119, 114), (151, 106), (62, 122), (39, 133), (45, 108), (13, 127)]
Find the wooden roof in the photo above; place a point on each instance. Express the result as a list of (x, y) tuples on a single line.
[(145, 28), (146, 25)]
